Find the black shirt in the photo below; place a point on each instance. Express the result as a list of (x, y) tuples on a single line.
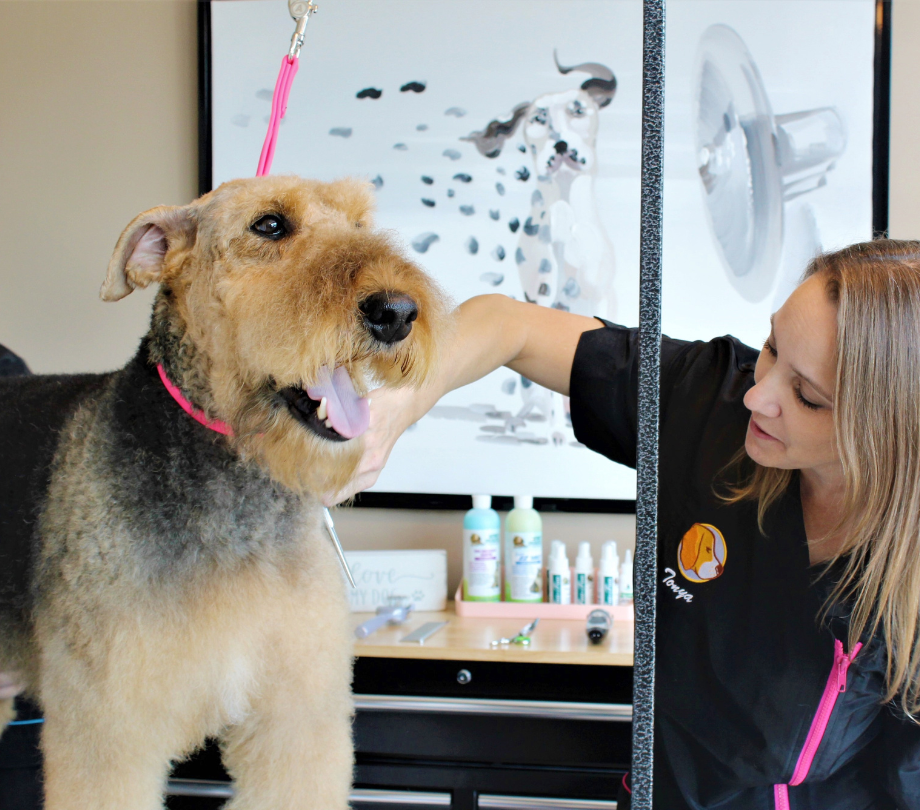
[(743, 660)]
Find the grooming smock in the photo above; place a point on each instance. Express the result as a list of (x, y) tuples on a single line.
[(758, 705)]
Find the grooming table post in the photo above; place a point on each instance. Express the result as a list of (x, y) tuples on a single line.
[(646, 564)]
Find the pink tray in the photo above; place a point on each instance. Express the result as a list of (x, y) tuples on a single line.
[(536, 610)]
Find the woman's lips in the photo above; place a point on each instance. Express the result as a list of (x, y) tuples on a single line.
[(760, 433)]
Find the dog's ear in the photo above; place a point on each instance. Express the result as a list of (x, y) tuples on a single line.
[(142, 247), (490, 140)]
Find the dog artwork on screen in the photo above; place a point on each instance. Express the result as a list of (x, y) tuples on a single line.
[(165, 576)]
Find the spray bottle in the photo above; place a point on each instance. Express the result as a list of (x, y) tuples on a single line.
[(560, 578), (584, 575), (608, 585), (626, 577)]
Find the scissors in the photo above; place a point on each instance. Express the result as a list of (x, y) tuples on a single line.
[(522, 638)]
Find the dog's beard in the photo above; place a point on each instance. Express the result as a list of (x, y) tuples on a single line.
[(296, 456)]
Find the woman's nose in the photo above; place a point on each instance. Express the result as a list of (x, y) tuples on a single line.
[(761, 399)]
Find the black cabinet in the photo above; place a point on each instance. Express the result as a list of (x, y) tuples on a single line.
[(470, 734)]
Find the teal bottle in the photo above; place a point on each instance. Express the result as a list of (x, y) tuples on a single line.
[(482, 565)]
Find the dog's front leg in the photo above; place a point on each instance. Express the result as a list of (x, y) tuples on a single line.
[(102, 750), (294, 749)]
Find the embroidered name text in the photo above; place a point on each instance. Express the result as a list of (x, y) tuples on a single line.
[(679, 592)]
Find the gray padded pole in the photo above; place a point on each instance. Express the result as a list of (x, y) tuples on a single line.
[(646, 561)]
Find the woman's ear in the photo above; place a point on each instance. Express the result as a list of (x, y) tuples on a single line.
[(142, 247)]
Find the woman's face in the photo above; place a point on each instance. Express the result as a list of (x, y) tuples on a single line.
[(791, 403)]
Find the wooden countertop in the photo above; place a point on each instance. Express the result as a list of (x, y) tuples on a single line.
[(468, 639)]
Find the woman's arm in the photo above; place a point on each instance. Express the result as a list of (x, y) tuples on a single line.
[(490, 331), (494, 331)]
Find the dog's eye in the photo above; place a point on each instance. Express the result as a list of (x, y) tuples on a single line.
[(271, 226)]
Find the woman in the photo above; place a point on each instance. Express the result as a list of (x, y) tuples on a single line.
[(789, 526)]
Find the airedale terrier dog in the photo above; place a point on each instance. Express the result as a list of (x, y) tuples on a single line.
[(162, 582)]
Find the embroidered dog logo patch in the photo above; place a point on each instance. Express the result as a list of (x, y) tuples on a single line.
[(701, 554)]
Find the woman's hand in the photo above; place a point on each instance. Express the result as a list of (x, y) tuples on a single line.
[(392, 412)]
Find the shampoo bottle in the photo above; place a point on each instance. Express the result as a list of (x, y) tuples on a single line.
[(584, 575), (560, 577), (626, 577), (607, 574), (523, 552), (482, 570)]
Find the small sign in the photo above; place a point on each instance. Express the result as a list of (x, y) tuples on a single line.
[(419, 576)]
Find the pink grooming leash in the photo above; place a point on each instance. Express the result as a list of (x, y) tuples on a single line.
[(217, 426), (301, 12)]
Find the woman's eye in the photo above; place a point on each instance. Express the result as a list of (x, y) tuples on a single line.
[(271, 226), (807, 403), (768, 347)]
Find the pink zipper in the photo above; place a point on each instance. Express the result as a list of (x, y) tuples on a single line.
[(781, 797), (836, 685)]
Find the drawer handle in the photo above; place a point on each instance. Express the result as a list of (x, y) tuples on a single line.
[(544, 709), (212, 789), (493, 802), (200, 788)]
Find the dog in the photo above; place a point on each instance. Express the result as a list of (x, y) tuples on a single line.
[(702, 553), (564, 257), (162, 582)]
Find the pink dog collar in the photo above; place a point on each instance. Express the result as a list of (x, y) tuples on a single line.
[(217, 426)]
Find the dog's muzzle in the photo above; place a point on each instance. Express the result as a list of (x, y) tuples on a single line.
[(388, 316)]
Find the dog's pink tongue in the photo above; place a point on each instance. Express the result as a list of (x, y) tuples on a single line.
[(348, 413)]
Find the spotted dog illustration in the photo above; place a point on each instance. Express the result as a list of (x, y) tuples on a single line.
[(564, 256)]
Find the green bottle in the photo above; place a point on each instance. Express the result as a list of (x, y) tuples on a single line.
[(523, 552)]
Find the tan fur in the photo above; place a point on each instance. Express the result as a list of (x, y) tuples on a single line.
[(7, 712), (139, 662)]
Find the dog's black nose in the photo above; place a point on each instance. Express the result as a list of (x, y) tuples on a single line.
[(561, 147), (388, 316)]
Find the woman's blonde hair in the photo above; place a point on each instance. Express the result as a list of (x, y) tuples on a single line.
[(876, 288)]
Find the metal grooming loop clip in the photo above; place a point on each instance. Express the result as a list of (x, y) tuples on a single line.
[(333, 535), (301, 11)]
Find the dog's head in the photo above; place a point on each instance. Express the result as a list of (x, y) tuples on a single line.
[(279, 307), (560, 129)]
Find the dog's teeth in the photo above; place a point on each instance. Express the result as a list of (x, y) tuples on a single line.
[(327, 423), (321, 410)]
